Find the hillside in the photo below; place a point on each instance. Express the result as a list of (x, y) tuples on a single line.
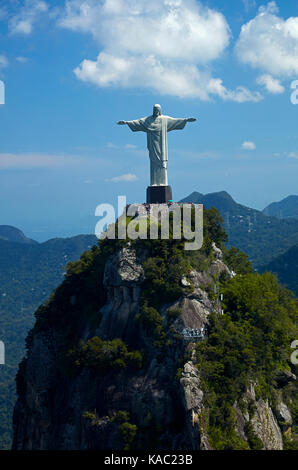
[(285, 267), (28, 273), (12, 234), (132, 351), (260, 236), (288, 207)]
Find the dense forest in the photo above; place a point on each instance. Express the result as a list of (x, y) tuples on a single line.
[(29, 271), (28, 274)]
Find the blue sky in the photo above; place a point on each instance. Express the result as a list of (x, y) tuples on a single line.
[(72, 69)]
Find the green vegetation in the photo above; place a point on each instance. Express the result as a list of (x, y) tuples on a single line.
[(151, 320), (121, 418), (166, 264), (91, 416), (250, 342), (291, 443), (128, 430), (168, 261), (66, 308), (28, 273), (237, 261), (254, 441), (228, 440), (104, 355), (173, 314), (261, 237), (163, 275)]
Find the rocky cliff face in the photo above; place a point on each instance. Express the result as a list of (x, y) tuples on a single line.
[(159, 404), (263, 423)]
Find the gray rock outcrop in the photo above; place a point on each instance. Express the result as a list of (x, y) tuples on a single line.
[(167, 408)]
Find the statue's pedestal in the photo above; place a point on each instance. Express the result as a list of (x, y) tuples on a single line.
[(159, 194)]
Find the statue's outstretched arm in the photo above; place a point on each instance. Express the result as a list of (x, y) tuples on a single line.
[(177, 123), (135, 126)]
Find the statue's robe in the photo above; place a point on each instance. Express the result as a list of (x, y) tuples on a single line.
[(157, 129)]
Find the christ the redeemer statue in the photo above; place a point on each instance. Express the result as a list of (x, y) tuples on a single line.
[(157, 126)]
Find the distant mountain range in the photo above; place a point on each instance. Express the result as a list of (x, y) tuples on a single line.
[(29, 271), (12, 234), (286, 268), (288, 207), (262, 237)]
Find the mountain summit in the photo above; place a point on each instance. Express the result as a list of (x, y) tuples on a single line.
[(262, 237), (148, 346), (12, 234), (222, 200), (287, 207)]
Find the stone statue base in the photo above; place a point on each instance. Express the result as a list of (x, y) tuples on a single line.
[(159, 194)]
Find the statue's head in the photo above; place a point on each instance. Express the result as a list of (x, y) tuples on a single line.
[(156, 110)]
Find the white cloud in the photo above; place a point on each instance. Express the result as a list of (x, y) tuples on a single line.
[(191, 155), (271, 84), (269, 42), (22, 59), (249, 4), (23, 21), (3, 61), (240, 95), (110, 145), (3, 13), (293, 155), (19, 161), (286, 155), (130, 146), (127, 178), (145, 72), (247, 145), (166, 46), (173, 29)]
